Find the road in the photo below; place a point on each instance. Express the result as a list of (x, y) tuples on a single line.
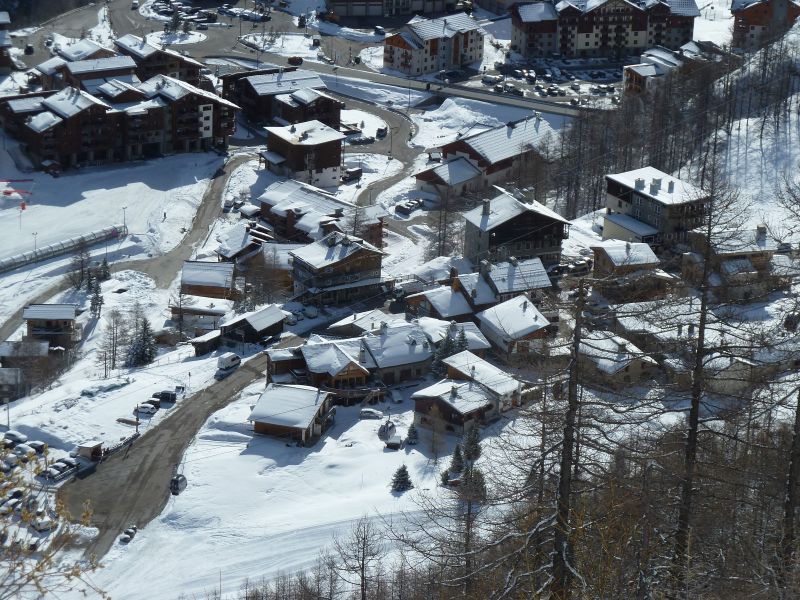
[(132, 487)]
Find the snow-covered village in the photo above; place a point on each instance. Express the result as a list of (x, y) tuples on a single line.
[(333, 299)]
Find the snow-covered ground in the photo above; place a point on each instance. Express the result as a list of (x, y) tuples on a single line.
[(584, 232), (362, 36), (371, 123), (261, 507), (100, 33), (161, 38), (375, 167), (285, 44), (715, 23), (459, 117), (374, 93)]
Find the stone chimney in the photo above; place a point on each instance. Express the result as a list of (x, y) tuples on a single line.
[(639, 185), (655, 186), (362, 353), (484, 267), (487, 206), (454, 390)]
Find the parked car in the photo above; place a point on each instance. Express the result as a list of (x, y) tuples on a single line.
[(379, 30), (15, 437), (295, 60), (407, 206), (382, 132), (69, 461), (202, 27), (128, 534), (52, 473), (362, 139), (9, 506), (38, 447), (228, 360), (166, 396), (43, 524), (491, 79), (291, 320), (177, 484), (24, 452), (370, 413), (352, 174), (146, 409)]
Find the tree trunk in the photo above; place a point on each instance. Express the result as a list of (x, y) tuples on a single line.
[(786, 549)]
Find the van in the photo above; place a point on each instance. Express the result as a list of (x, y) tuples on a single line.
[(228, 361), (491, 79), (134, 4)]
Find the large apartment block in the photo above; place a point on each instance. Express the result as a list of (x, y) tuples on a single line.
[(431, 45), (610, 28), (389, 8)]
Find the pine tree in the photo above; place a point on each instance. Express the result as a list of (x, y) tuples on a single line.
[(461, 343), (89, 280), (457, 462), (413, 434), (105, 271), (97, 300), (444, 477), (148, 343), (472, 444), (401, 481)]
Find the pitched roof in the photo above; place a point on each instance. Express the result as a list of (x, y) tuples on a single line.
[(308, 133), (477, 289), (505, 207), (437, 330), (259, 319), (331, 249), (175, 89), (685, 8), (99, 65), (628, 253), (136, 45), (610, 353), (368, 320), (28, 104), (271, 84), (333, 356), (398, 344), (288, 405), (536, 12), (50, 312), (443, 27), (43, 121), (513, 319), (447, 302), (505, 141), (628, 223), (519, 276), (51, 65), (477, 369), (681, 193), (301, 198), (454, 171), (80, 50), (212, 274), (464, 397), (71, 101)]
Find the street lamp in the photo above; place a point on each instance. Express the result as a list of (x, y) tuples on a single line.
[(124, 222), (35, 233)]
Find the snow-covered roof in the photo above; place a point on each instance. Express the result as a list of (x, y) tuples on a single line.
[(647, 70), (681, 193), (288, 405), (368, 320), (464, 397), (398, 344), (627, 253), (70, 101), (663, 57), (236, 240), (211, 274), (443, 27), (303, 97), (635, 226), (80, 50), (50, 312), (202, 305), (278, 256), (519, 276), (744, 241), (136, 45), (610, 353), (301, 198), (24, 348), (271, 84), (23, 105), (332, 249), (454, 172), (536, 12), (308, 133), (477, 289), (505, 207), (333, 356), (5, 19), (506, 141), (685, 8), (115, 86), (43, 121), (485, 373), (175, 89), (737, 266), (112, 63), (513, 319), (259, 319), (447, 301), (439, 268), (51, 65), (437, 330)]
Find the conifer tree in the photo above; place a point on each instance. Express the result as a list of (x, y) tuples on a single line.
[(472, 444), (457, 463), (401, 481)]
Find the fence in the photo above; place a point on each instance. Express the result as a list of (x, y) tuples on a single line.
[(62, 248)]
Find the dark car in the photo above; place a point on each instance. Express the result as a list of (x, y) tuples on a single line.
[(177, 484), (166, 396), (295, 60), (362, 139)]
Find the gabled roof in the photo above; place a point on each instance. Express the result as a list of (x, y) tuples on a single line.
[(681, 193), (368, 320), (333, 248), (477, 289), (627, 253), (437, 330), (443, 27), (259, 319), (288, 405), (23, 105), (333, 356), (610, 353), (174, 89), (100, 65), (485, 373), (463, 397), (536, 12), (447, 302), (271, 84), (211, 274), (43, 121), (398, 344), (453, 172), (685, 8), (70, 101), (308, 133), (513, 319), (80, 50), (506, 141), (519, 276), (50, 66), (136, 45), (301, 198), (505, 207), (50, 312), (635, 226)]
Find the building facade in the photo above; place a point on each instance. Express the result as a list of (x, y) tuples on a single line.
[(309, 152), (758, 21)]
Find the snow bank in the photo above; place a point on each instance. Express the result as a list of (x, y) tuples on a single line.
[(374, 93), (162, 38), (287, 44)]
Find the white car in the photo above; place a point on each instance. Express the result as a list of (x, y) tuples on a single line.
[(24, 451), (15, 437), (370, 413), (43, 524), (146, 409)]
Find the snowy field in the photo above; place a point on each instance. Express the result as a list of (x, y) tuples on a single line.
[(375, 167), (371, 122), (285, 44), (715, 23), (374, 93), (261, 507)]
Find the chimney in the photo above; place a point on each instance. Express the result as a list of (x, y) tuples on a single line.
[(761, 230), (671, 187), (292, 129), (474, 293), (655, 185), (453, 273), (454, 390), (628, 248), (384, 327), (639, 183), (487, 205), (362, 353), (623, 347), (513, 260), (484, 267), (472, 371), (524, 305), (453, 326)]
